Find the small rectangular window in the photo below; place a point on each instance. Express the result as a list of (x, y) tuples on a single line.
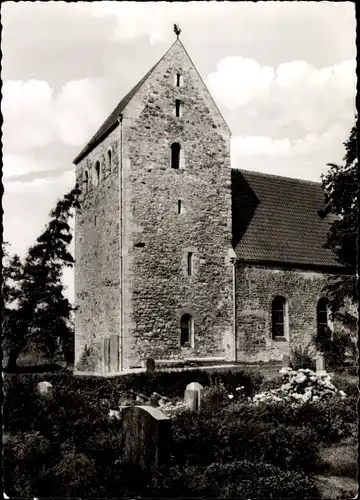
[(178, 80), (175, 155), (179, 207), (178, 106), (95, 220), (190, 269)]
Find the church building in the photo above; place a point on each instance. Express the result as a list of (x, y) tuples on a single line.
[(179, 256)]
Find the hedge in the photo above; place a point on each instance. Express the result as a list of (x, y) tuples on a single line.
[(20, 389)]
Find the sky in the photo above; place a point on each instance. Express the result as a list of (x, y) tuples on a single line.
[(282, 74)]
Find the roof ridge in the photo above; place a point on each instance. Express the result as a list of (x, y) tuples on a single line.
[(207, 90), (282, 177), (109, 122)]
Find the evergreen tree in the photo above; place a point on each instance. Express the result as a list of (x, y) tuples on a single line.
[(341, 198), (42, 316)]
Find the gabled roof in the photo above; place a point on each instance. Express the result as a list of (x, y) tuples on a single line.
[(111, 122), (112, 119), (275, 219)]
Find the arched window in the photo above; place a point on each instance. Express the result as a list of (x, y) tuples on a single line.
[(86, 181), (187, 327), (108, 157), (322, 316), (279, 317), (175, 155), (97, 173)]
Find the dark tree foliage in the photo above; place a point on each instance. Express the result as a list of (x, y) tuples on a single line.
[(36, 312), (341, 198)]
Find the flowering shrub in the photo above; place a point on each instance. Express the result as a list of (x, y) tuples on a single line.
[(299, 387)]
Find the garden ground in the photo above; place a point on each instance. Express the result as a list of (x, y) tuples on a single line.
[(230, 448)]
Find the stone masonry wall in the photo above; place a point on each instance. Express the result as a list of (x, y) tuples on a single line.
[(157, 288), (256, 286), (97, 257)]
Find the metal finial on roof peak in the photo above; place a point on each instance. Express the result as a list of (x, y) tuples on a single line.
[(177, 30)]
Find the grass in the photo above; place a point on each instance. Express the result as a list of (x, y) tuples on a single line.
[(340, 459), (335, 487)]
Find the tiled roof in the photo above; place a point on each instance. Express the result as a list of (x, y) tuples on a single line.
[(275, 219)]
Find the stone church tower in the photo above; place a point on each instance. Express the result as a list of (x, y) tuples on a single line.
[(154, 276)]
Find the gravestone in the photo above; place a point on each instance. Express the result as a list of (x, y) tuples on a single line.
[(45, 389), (320, 364), (286, 361), (150, 365), (193, 395), (146, 435)]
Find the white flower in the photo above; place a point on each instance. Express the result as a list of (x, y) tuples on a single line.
[(285, 370), (342, 394), (230, 396)]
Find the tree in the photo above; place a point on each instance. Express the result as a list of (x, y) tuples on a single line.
[(42, 315), (11, 292), (341, 198)]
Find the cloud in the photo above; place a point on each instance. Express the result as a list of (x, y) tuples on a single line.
[(239, 81), (79, 111), (251, 146), (35, 116), (39, 185), (27, 108), (306, 157), (21, 164), (293, 93), (133, 18)]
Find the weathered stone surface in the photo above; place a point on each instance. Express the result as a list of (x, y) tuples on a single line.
[(131, 268), (320, 363), (192, 399), (45, 389), (150, 365), (146, 435), (193, 395), (194, 386), (286, 361), (97, 256), (256, 286)]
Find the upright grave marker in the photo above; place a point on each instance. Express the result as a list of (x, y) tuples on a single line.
[(320, 364), (150, 365), (146, 436), (193, 395)]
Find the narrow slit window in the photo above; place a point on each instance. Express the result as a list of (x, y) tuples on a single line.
[(178, 108), (86, 181), (190, 264), (186, 330), (97, 173), (178, 80), (109, 160), (179, 207), (95, 220), (175, 155)]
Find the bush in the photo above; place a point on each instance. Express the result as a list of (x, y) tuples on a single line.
[(25, 458), (299, 387), (239, 479), (335, 347), (223, 437), (302, 357), (21, 389), (330, 420), (343, 383)]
